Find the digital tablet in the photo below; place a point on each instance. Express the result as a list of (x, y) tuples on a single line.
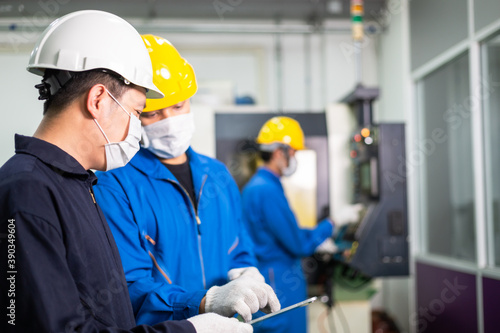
[(291, 307)]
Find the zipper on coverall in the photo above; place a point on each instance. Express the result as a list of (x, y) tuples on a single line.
[(91, 191), (198, 224)]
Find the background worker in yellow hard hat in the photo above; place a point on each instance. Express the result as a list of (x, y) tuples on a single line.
[(279, 242), (176, 214)]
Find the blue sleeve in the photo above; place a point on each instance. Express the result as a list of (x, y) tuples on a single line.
[(153, 300), (283, 225), (241, 253)]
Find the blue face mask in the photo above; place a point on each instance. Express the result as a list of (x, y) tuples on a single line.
[(118, 154)]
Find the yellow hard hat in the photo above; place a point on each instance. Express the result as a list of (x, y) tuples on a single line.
[(172, 74), (282, 130)]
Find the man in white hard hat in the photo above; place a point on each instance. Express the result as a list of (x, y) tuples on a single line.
[(60, 268)]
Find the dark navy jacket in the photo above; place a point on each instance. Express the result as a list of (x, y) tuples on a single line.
[(65, 272)]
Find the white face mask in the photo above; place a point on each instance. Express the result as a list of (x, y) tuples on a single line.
[(169, 137), (291, 168), (118, 154)]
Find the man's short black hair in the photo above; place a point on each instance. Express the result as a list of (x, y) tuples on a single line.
[(80, 84), (266, 155)]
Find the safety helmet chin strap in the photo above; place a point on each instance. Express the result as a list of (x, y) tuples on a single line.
[(286, 151), (273, 146)]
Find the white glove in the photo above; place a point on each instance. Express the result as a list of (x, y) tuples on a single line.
[(244, 295), (328, 246), (252, 272), (213, 323)]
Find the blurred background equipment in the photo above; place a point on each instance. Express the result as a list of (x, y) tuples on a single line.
[(380, 238)]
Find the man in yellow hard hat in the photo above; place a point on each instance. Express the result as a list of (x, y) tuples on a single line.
[(279, 242), (176, 214)]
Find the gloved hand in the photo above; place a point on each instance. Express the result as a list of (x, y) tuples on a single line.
[(213, 323), (244, 295), (328, 246), (252, 272)]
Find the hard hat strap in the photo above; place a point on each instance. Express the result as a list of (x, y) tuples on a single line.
[(273, 146), (53, 81)]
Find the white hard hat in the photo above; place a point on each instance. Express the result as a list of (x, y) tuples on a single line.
[(92, 39)]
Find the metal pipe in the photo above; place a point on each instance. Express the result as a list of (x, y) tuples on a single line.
[(358, 62), (13, 25), (357, 10)]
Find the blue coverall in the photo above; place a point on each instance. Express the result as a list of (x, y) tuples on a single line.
[(66, 268), (279, 246), (172, 249)]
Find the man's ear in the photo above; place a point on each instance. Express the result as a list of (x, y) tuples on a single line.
[(95, 100)]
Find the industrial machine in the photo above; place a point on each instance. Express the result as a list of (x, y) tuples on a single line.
[(379, 242)]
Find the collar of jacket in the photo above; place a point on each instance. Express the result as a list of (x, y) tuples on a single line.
[(53, 156), (147, 163), (267, 173)]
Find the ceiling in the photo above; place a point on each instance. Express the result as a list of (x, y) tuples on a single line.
[(305, 10)]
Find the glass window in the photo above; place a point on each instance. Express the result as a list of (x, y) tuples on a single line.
[(491, 98), (446, 147)]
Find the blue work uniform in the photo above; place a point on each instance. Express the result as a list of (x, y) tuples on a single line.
[(279, 246), (174, 249), (65, 273)]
